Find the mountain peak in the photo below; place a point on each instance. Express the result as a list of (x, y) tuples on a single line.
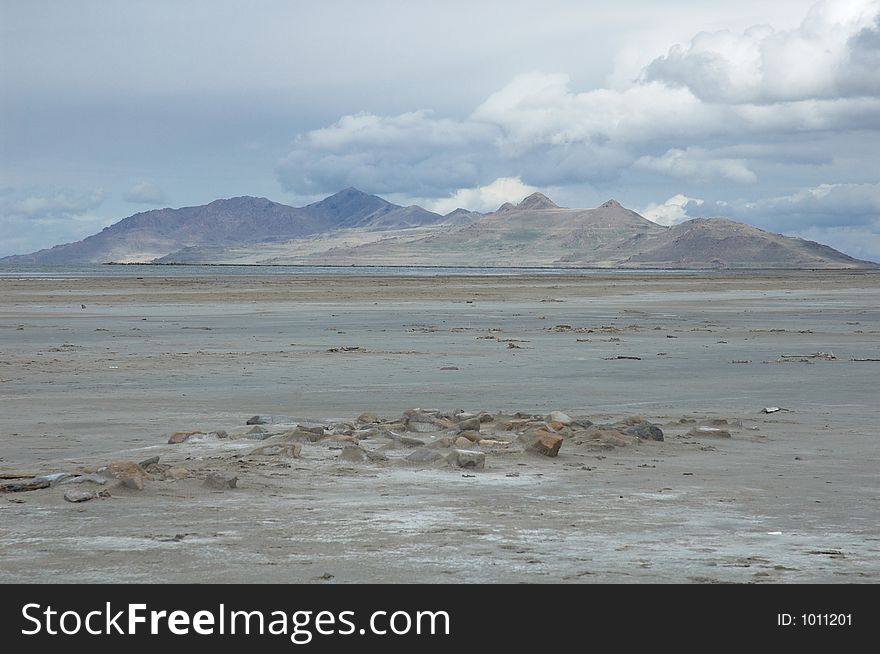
[(537, 201), (611, 204)]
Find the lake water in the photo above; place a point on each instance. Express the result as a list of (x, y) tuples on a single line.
[(18, 271)]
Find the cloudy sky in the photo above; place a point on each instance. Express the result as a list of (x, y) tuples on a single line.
[(763, 112)]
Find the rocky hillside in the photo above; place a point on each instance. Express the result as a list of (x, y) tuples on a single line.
[(232, 222), (355, 228)]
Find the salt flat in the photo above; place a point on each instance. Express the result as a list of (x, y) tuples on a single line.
[(790, 497)]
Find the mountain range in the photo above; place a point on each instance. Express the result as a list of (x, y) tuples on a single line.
[(355, 228)]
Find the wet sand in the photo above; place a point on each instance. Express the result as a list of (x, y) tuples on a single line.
[(789, 497)]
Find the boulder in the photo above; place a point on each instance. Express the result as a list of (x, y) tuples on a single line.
[(544, 442), (470, 435), (469, 424), (559, 417), (220, 481), (443, 442), (182, 436), (462, 442), (288, 449), (467, 459), (368, 418), (646, 431), (81, 479), (302, 435), (77, 496), (424, 455), (56, 478), (421, 423), (259, 420), (129, 474)]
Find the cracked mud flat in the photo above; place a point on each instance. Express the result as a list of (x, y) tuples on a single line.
[(790, 496)]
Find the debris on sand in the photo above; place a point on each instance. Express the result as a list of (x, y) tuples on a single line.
[(220, 481), (824, 356)]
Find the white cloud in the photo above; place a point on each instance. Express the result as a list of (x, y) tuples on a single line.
[(670, 122), (144, 192), (52, 205), (831, 54), (29, 218), (483, 198), (698, 164), (671, 212), (824, 205)]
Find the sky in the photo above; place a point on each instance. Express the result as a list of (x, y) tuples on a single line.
[(767, 113)]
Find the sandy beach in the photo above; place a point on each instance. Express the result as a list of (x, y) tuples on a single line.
[(101, 370)]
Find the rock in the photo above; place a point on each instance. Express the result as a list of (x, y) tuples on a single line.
[(581, 424), (219, 481), (421, 423), (219, 433), (492, 444), (424, 455), (467, 459), (645, 431), (471, 435), (770, 409), (256, 430), (409, 441), (375, 456), (129, 474), (157, 470), (544, 442), (77, 496), (486, 417), (352, 454), (259, 420), (181, 436), (55, 478), (368, 418), (561, 418), (319, 430), (22, 486), (81, 479), (441, 443), (342, 438), (289, 449), (469, 424), (148, 462), (463, 442), (177, 473), (301, 435), (134, 483)]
